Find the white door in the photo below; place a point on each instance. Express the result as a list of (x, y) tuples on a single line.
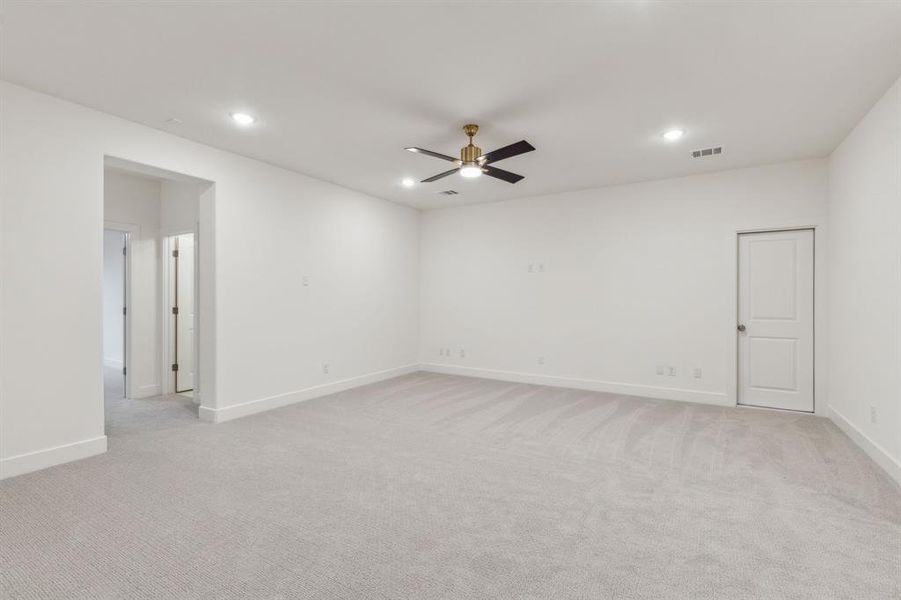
[(775, 319), (184, 319)]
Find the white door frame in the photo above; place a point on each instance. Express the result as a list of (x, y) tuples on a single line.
[(168, 376), (131, 231), (205, 372), (819, 408)]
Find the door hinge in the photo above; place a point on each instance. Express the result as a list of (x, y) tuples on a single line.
[(175, 367), (174, 310), (125, 370), (124, 310), (124, 250), (175, 254)]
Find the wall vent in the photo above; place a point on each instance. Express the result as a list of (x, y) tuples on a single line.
[(449, 192), (707, 152)]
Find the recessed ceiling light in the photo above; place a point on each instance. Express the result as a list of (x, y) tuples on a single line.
[(673, 134), (407, 182), (243, 118)]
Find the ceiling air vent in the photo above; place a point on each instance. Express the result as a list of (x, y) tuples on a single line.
[(449, 193), (707, 152)]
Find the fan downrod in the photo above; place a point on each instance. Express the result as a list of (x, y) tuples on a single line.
[(470, 153)]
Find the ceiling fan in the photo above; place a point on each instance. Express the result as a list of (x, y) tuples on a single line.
[(472, 163)]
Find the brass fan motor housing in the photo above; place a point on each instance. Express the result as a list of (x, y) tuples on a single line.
[(469, 154)]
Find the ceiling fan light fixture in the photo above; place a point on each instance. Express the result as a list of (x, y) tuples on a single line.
[(472, 163), (471, 170)]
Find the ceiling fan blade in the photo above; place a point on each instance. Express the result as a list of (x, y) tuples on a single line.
[(435, 154), (439, 176), (501, 174), (520, 147)]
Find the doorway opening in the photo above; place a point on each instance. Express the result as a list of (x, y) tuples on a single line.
[(152, 369)]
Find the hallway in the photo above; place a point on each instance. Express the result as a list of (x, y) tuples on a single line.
[(124, 416)]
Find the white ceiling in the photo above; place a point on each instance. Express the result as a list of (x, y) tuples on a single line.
[(341, 88)]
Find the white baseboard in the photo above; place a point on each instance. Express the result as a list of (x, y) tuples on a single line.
[(594, 385), (235, 411), (41, 459), (882, 458)]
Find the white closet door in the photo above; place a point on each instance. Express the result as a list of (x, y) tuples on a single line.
[(775, 319)]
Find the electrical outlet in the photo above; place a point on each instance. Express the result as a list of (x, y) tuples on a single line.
[(541, 267), (305, 280), (671, 371), (462, 353), (660, 369), (540, 360), (531, 268), (697, 373), (872, 414), (325, 368)]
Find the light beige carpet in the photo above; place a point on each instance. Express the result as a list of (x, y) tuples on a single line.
[(432, 486)]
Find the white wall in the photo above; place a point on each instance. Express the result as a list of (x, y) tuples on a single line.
[(179, 207), (271, 228), (113, 298), (634, 276), (865, 282), (135, 200)]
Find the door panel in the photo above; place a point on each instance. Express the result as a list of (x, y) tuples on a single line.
[(773, 363), (775, 306), (773, 268), (184, 297)]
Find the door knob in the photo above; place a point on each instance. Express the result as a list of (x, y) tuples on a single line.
[(741, 327)]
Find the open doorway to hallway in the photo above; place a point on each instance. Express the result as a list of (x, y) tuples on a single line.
[(150, 226)]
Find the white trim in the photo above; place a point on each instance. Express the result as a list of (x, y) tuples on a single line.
[(227, 413), (41, 459), (122, 227), (631, 389), (879, 455)]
